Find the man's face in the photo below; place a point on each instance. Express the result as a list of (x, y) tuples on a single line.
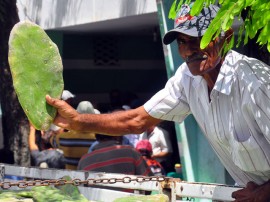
[(199, 61)]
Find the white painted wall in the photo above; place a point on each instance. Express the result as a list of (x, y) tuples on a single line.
[(52, 14)]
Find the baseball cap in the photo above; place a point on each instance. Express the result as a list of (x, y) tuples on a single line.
[(86, 107), (54, 127), (144, 145), (194, 26), (67, 95)]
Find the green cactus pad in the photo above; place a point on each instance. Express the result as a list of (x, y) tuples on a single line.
[(37, 70), (148, 198)]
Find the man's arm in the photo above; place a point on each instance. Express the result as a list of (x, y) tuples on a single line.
[(32, 138), (160, 155), (119, 123)]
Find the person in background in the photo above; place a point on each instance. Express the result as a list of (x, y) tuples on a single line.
[(125, 140), (42, 153), (161, 144), (75, 144), (228, 94), (144, 147), (110, 156)]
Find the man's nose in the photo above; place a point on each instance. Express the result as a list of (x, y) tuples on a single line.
[(187, 50)]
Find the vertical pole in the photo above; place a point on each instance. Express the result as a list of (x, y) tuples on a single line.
[(163, 29)]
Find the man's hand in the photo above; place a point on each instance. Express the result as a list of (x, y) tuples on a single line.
[(66, 116), (253, 193)]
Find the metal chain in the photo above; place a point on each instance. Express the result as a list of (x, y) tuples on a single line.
[(77, 182)]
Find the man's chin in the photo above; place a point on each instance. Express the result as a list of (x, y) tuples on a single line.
[(194, 67)]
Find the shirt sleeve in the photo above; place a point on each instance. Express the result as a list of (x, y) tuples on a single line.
[(170, 103)]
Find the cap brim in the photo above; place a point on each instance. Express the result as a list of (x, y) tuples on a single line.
[(171, 35)]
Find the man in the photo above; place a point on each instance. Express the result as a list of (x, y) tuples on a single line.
[(110, 156), (227, 94)]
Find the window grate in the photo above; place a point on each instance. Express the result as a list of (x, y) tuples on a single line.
[(106, 52)]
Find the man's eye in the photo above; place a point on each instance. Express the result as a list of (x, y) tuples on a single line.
[(180, 41)]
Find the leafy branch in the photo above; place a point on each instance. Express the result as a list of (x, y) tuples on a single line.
[(256, 22)]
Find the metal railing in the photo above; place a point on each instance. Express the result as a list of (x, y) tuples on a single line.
[(107, 182)]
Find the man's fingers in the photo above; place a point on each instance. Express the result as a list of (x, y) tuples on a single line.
[(48, 99), (52, 101), (246, 193), (239, 193), (252, 185)]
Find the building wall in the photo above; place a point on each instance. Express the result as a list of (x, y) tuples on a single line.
[(51, 14)]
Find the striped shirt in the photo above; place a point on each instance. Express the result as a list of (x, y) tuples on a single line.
[(74, 146), (111, 158), (236, 121)]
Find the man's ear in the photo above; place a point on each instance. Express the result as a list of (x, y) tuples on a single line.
[(224, 38), (228, 35)]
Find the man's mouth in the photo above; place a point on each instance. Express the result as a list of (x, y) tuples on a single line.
[(195, 57)]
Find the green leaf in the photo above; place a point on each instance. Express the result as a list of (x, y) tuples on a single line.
[(213, 29), (247, 3), (197, 7), (264, 35), (240, 35), (179, 5), (208, 36), (247, 30), (266, 17), (172, 12), (175, 7)]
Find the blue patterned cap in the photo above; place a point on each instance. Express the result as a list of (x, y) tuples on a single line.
[(194, 26)]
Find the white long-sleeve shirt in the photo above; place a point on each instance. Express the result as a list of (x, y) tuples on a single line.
[(236, 121), (160, 141)]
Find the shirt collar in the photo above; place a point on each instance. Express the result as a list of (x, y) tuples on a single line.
[(225, 77), (196, 79), (104, 144)]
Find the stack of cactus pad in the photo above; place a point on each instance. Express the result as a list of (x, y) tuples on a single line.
[(147, 198), (43, 194), (37, 70)]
